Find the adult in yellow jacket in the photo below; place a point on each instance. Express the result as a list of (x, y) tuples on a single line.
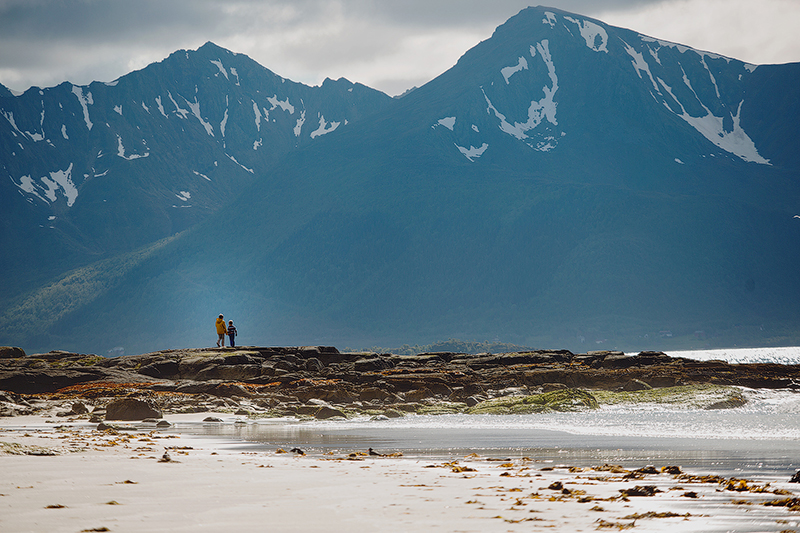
[(222, 329)]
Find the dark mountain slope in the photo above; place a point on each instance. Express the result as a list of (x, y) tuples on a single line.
[(104, 169)]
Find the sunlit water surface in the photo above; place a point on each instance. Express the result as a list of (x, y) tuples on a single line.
[(761, 438)]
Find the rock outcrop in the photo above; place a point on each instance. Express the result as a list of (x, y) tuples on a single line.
[(321, 382), (132, 409)]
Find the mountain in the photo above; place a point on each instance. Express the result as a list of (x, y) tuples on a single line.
[(567, 183), (105, 169)]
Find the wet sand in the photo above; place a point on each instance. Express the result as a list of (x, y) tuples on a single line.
[(120, 481)]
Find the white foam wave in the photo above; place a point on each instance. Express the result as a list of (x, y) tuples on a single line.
[(783, 355)]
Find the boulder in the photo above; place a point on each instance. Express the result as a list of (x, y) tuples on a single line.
[(618, 360), (653, 358), (474, 400), (11, 352), (734, 401), (165, 369), (325, 412), (132, 409), (417, 395), (374, 393), (239, 359), (372, 364), (314, 365), (289, 363), (36, 380), (79, 408), (636, 385)]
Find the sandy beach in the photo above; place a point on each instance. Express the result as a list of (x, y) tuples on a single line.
[(75, 479)]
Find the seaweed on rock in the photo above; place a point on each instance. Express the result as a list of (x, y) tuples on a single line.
[(557, 400)]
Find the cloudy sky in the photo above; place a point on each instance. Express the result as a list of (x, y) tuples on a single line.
[(390, 45)]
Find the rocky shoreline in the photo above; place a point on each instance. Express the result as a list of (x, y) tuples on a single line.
[(321, 382)]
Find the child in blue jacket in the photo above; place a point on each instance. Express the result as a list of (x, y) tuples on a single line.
[(231, 332)]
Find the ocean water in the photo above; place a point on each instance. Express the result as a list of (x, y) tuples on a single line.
[(760, 439), (783, 355)]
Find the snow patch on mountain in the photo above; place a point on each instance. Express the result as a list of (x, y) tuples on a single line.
[(27, 184), (286, 106), (160, 107), (592, 33), (711, 76), (472, 153), (178, 109), (59, 181), (640, 65), (550, 19), (118, 109), (233, 72), (539, 110), (121, 151), (201, 175), (184, 196), (507, 72), (736, 142), (10, 118), (323, 127), (447, 122), (224, 118), (195, 107), (257, 113), (34, 136), (63, 179), (85, 102), (222, 70), (683, 49), (250, 170), (64, 131), (654, 55), (299, 126)]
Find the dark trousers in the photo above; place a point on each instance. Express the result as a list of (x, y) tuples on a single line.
[(231, 338)]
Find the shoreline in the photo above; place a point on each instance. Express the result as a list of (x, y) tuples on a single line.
[(119, 481)]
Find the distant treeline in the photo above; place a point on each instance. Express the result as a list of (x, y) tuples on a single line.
[(451, 345)]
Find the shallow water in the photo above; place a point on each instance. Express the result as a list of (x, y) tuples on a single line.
[(759, 440)]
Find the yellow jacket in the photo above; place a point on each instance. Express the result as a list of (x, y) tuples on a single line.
[(221, 328)]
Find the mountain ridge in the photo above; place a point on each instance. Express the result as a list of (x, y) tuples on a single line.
[(566, 182), (146, 159)]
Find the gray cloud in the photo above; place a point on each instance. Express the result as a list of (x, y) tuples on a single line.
[(387, 45)]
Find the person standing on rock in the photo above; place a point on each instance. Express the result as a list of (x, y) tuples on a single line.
[(231, 333), (221, 331)]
